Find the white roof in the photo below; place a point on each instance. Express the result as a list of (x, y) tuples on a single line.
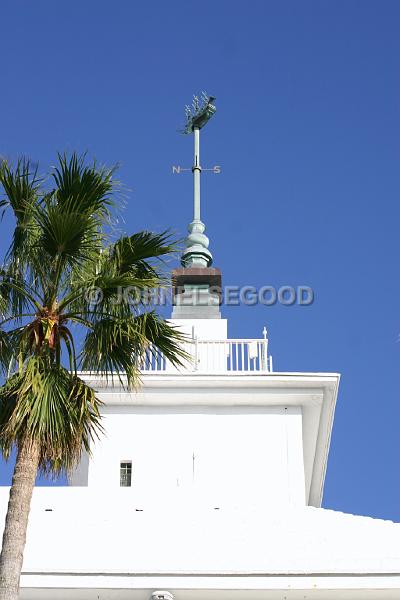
[(81, 543), (200, 539)]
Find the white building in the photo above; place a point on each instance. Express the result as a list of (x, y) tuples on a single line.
[(208, 483)]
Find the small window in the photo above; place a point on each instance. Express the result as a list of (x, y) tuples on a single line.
[(125, 474)]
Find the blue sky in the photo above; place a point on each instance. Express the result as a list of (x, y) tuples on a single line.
[(308, 136)]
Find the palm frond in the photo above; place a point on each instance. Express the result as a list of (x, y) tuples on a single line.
[(21, 187), (117, 296), (49, 405), (67, 234), (114, 349), (17, 297), (138, 251), (123, 277), (6, 351), (86, 189), (117, 347), (162, 335)]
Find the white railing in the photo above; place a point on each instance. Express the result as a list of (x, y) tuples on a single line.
[(207, 356)]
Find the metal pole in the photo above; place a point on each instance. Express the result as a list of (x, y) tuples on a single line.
[(196, 174), (265, 350)]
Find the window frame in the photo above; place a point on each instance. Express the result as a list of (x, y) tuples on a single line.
[(125, 473)]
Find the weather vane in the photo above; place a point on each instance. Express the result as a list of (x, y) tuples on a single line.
[(199, 113), (197, 116)]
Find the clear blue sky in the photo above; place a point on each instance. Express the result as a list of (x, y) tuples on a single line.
[(308, 135)]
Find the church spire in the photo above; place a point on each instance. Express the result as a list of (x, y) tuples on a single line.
[(196, 253)]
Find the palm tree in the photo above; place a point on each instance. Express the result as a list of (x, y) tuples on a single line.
[(62, 250)]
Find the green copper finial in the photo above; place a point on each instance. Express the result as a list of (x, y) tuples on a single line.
[(196, 253)]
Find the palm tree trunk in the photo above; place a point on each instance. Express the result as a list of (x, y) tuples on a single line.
[(14, 536)]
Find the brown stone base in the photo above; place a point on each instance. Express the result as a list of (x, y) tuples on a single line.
[(196, 276)]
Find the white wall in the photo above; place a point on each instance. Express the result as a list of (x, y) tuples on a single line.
[(224, 456), (204, 329)]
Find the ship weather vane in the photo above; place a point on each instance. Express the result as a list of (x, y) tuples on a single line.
[(197, 116)]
